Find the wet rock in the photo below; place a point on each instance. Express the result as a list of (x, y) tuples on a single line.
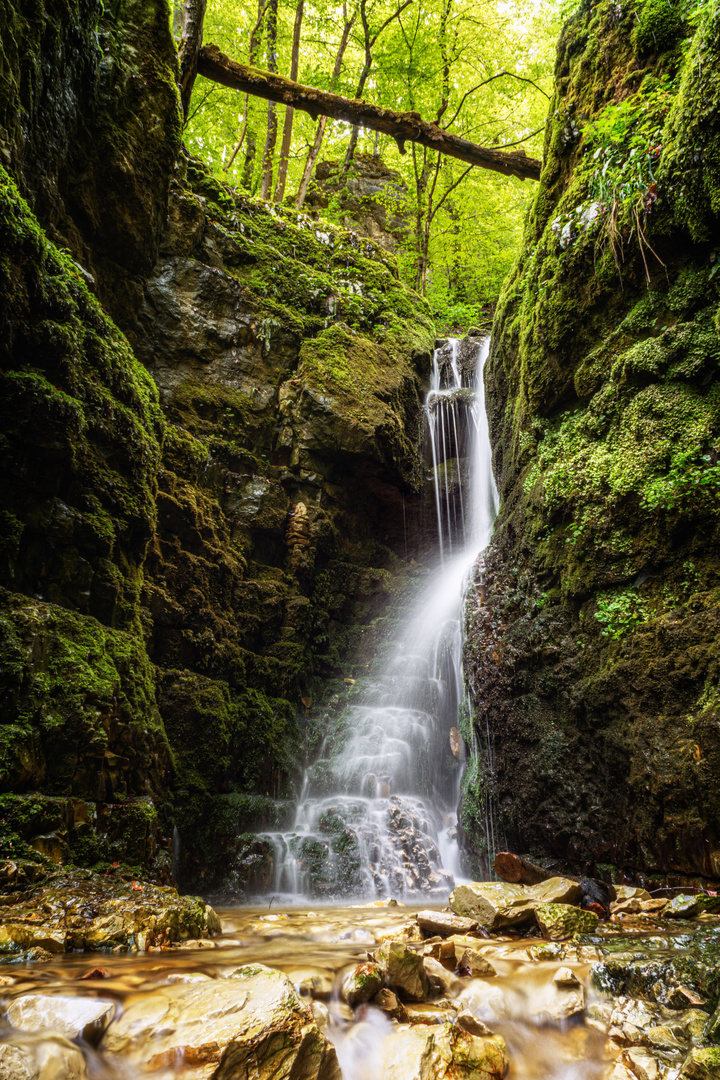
[(630, 892), (682, 997), (655, 972), (701, 1064), (389, 1003), (47, 1059), (498, 904), (557, 921), (568, 1000), (475, 965), (443, 1052), (468, 1022), (711, 1033), (251, 1023), (688, 907), (72, 1017), (444, 923), (403, 970), (636, 906), (321, 1014), (362, 983), (641, 1064), (565, 976), (315, 982), (441, 980)]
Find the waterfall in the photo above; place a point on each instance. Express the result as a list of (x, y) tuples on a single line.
[(377, 813)]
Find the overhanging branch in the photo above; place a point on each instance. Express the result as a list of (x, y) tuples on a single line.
[(403, 127)]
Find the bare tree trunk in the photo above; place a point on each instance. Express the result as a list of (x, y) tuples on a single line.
[(271, 139), (193, 16), (314, 150), (289, 111), (404, 127)]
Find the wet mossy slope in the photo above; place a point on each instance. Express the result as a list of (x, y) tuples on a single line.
[(594, 626)]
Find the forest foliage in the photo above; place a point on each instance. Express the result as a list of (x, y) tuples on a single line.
[(484, 73)]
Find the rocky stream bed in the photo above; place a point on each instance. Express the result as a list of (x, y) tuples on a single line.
[(115, 980)]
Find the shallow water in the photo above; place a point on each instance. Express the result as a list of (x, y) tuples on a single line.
[(321, 945)]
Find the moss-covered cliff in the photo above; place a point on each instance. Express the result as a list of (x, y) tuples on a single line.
[(201, 511), (593, 627)]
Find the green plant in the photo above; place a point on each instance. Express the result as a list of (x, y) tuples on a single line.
[(619, 611)]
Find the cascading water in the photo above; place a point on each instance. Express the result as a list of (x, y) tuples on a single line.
[(377, 812)]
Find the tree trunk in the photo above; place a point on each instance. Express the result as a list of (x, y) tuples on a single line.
[(404, 127), (314, 150), (271, 139), (250, 130), (193, 16), (289, 111)]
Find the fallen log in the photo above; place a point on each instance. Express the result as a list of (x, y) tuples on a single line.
[(403, 127), (596, 895)]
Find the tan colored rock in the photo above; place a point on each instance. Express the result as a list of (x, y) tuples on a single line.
[(444, 923), (252, 1023), (565, 976), (410, 932), (72, 1017), (315, 982), (441, 980), (475, 965), (498, 904), (51, 1058), (403, 970), (641, 1064), (468, 1022), (321, 1014), (638, 906), (630, 892), (362, 983), (390, 1003), (442, 1052)]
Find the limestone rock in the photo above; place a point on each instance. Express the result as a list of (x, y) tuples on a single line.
[(636, 906), (72, 1017), (389, 1003), (51, 1058), (403, 970), (252, 1022), (497, 904), (557, 921), (630, 892), (440, 979), (444, 923), (475, 965), (443, 1052), (565, 976), (362, 983), (468, 1022), (687, 907), (641, 1064)]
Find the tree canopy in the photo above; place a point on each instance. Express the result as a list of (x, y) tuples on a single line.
[(483, 74)]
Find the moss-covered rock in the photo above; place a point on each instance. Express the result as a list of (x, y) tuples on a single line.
[(593, 643)]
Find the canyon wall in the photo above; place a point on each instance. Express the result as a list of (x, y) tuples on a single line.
[(593, 626), (210, 423)]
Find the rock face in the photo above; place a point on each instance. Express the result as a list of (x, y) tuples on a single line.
[(200, 520), (250, 1024), (594, 622), (370, 199)]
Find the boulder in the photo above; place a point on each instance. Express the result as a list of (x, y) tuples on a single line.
[(558, 921), (445, 923), (252, 1023), (403, 970), (441, 980), (637, 906), (565, 976), (443, 1052), (72, 1017), (51, 1058), (688, 907), (630, 892), (362, 983), (499, 904)]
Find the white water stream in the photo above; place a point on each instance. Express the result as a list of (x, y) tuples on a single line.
[(377, 814)]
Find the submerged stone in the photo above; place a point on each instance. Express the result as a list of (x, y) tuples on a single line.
[(558, 921)]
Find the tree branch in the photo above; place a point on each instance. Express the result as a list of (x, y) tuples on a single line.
[(403, 127), (193, 17), (500, 75)]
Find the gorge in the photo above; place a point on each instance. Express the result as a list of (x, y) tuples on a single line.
[(260, 641)]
